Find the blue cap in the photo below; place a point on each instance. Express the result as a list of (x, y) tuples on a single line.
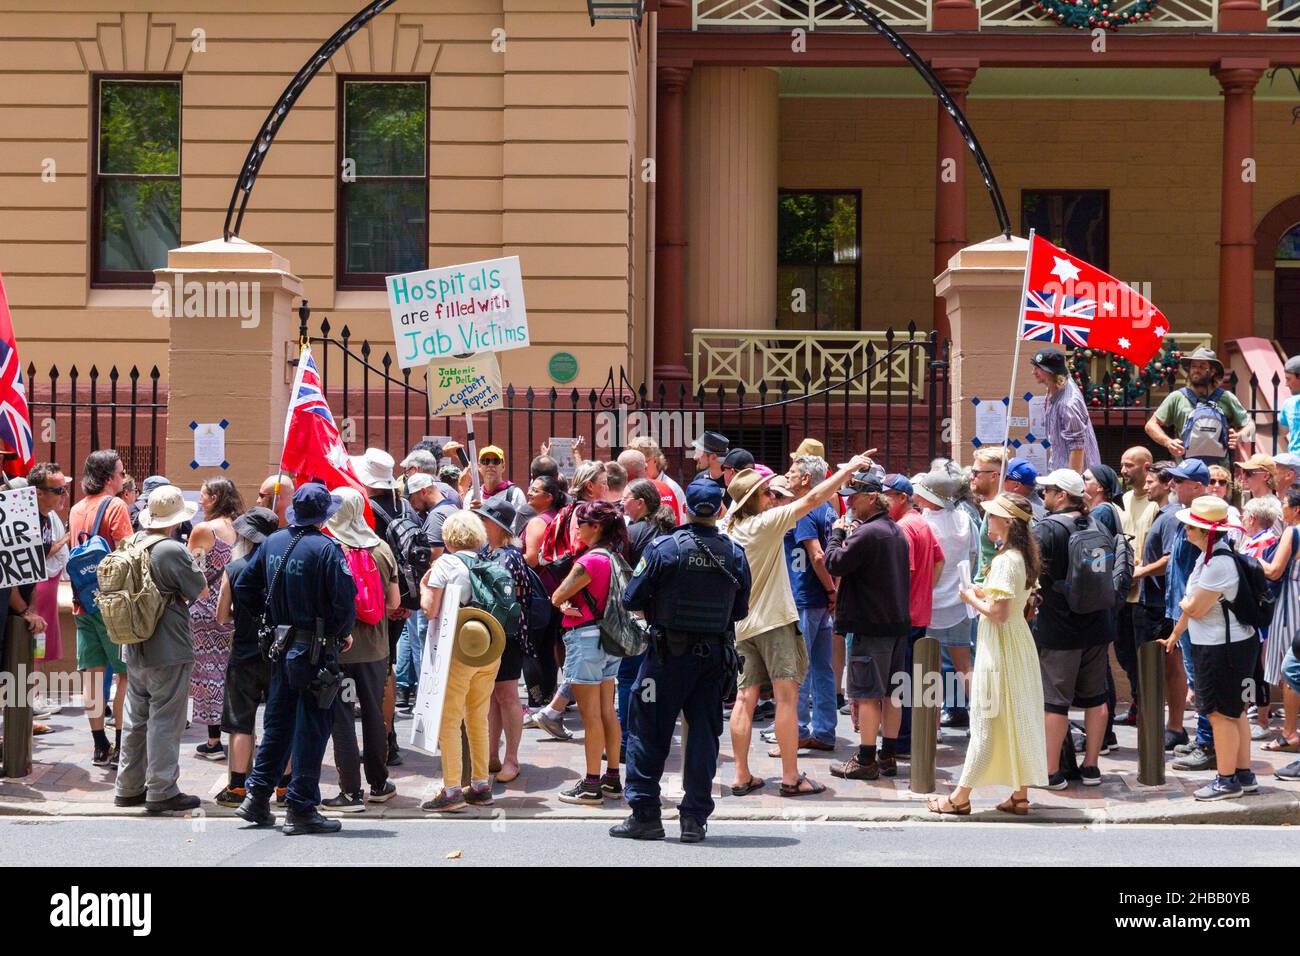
[(1193, 469), (1021, 470), (312, 505), (898, 483), (703, 498)]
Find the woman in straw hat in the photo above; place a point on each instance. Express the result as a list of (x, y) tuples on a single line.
[(1224, 650), (365, 662), (1007, 740)]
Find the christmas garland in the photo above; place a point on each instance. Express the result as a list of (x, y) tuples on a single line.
[(1095, 14), (1125, 385)]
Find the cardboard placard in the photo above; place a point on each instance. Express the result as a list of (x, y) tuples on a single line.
[(464, 386), (22, 554), (426, 718)]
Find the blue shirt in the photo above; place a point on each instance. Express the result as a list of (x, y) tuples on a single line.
[(1289, 418), (314, 582), (1159, 542), (814, 526), (1182, 560)]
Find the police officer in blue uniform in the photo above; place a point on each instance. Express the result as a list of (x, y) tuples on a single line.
[(312, 608), (693, 585)]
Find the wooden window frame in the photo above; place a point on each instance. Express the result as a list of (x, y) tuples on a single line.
[(101, 278), (823, 191), (369, 281), (1104, 265)]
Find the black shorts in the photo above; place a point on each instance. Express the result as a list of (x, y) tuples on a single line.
[(1150, 624), (1224, 675), (871, 665), (1073, 677), (512, 662), (247, 683)]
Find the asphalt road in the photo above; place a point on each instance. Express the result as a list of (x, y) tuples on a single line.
[(502, 842)]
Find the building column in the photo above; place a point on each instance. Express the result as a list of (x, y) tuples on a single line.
[(1237, 77), (950, 177), (670, 227), (955, 15)]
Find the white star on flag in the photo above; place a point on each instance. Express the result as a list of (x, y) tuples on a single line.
[(1124, 343), (1108, 306), (1159, 332), (1065, 270)]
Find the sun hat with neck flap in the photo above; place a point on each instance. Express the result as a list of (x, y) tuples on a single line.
[(348, 524)]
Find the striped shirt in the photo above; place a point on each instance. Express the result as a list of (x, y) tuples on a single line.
[(1069, 427)]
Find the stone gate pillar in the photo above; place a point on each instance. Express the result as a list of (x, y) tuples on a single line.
[(981, 288), (232, 333)]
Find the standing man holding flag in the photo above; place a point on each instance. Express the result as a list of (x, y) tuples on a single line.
[(1071, 440)]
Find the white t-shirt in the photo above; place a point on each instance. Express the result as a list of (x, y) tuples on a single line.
[(956, 536), (447, 570), (1220, 574)]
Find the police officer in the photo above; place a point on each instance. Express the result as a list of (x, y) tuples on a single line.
[(693, 585), (312, 593)]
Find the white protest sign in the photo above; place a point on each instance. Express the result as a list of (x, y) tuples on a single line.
[(426, 718), (562, 450), (22, 555), (464, 385), (475, 307)]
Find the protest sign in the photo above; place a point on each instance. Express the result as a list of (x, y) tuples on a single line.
[(426, 718), (22, 555), (562, 450), (475, 307), (464, 385)]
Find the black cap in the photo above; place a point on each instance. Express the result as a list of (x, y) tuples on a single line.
[(1050, 360), (715, 443), (738, 458)]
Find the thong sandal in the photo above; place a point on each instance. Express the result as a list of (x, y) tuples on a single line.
[(935, 805), (754, 783), (1281, 746), (794, 789), (1015, 805)]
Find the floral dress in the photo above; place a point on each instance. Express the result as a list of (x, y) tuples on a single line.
[(211, 641)]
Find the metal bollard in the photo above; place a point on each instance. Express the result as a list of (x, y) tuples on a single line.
[(18, 720), (1151, 714), (925, 710)]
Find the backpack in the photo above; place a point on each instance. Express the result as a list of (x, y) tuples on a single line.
[(492, 589), (1123, 557), (557, 548), (621, 633), (129, 601), (370, 585), (1089, 582), (1205, 433), (413, 550), (1253, 606), (540, 608), (91, 549)]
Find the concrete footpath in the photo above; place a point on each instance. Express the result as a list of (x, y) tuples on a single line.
[(64, 783)]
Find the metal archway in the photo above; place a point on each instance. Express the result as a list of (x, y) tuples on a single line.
[(261, 146)]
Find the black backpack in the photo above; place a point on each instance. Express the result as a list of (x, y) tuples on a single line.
[(1123, 574), (1253, 606), (412, 549), (1089, 582)]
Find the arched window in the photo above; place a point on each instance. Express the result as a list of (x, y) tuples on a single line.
[(1288, 246)]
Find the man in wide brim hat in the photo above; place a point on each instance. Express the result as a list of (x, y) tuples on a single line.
[(167, 508), (1204, 374), (1202, 354)]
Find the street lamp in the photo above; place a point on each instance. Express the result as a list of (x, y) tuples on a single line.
[(612, 10)]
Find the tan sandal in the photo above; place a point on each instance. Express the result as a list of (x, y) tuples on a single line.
[(1015, 805), (935, 805)]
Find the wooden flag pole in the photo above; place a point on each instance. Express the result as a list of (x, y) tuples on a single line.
[(1015, 357), (476, 491)]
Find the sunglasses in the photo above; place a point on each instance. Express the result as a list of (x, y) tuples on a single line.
[(53, 491), (979, 471), (1219, 481), (489, 461)]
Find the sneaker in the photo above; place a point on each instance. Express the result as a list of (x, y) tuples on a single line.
[(1091, 776), (1057, 781), (1187, 746), (846, 709), (954, 719), (611, 787), (103, 757), (1220, 788), (635, 829), (134, 800), (394, 758), (1249, 782), (444, 802), (1110, 744), (1175, 739), (1129, 718), (1260, 733), (180, 802), (852, 769), (345, 803), (1290, 772), (765, 710), (45, 708), (551, 725), (583, 792), (1202, 758), (888, 764), (382, 794), (479, 795), (231, 797), (211, 751)]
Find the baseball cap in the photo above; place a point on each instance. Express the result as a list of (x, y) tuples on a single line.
[(1071, 482), (739, 459), (862, 482), (1292, 365), (1287, 460), (418, 482), (1193, 469), (897, 483), (491, 450), (1050, 360), (1022, 470), (703, 498)]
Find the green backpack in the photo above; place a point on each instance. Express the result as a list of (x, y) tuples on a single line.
[(492, 589)]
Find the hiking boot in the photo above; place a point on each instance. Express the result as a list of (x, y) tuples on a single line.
[(1220, 788), (345, 803), (256, 810), (135, 800), (181, 801), (692, 830), (382, 794), (231, 797), (479, 795), (551, 725), (583, 792), (851, 769), (888, 764), (297, 823), (634, 828), (1202, 758)]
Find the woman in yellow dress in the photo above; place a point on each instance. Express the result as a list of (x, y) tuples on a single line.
[(1007, 742)]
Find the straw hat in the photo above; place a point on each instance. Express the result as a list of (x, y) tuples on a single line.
[(746, 482), (167, 508), (1003, 507), (811, 447), (480, 638), (1207, 512)]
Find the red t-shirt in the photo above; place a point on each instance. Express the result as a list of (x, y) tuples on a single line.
[(925, 553), (669, 497)]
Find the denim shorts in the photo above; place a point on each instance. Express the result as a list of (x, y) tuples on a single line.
[(956, 636), (1291, 671), (585, 662)]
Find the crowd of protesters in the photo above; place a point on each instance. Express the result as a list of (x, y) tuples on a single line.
[(850, 567)]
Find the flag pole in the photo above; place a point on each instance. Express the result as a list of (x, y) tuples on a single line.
[(1015, 356), (475, 492), (303, 348)]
